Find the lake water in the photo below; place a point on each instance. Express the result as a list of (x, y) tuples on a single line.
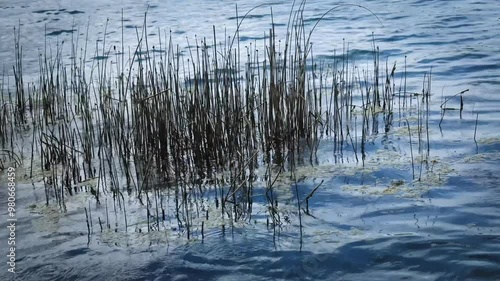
[(446, 229)]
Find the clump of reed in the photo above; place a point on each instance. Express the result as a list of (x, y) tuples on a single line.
[(163, 124)]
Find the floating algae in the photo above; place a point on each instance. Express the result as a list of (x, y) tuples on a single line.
[(433, 177), (47, 217), (489, 140), (389, 158), (414, 131), (481, 157), (377, 190), (394, 187)]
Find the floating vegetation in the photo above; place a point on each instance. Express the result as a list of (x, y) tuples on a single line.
[(489, 140), (482, 157), (49, 217), (164, 141)]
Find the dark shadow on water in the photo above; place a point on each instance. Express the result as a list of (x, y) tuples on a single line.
[(411, 258)]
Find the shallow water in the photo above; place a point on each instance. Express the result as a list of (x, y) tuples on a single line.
[(364, 227)]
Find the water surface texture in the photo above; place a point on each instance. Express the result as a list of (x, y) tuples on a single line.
[(366, 222)]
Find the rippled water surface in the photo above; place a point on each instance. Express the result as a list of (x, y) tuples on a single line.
[(359, 229)]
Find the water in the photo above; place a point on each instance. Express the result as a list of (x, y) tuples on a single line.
[(445, 230)]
